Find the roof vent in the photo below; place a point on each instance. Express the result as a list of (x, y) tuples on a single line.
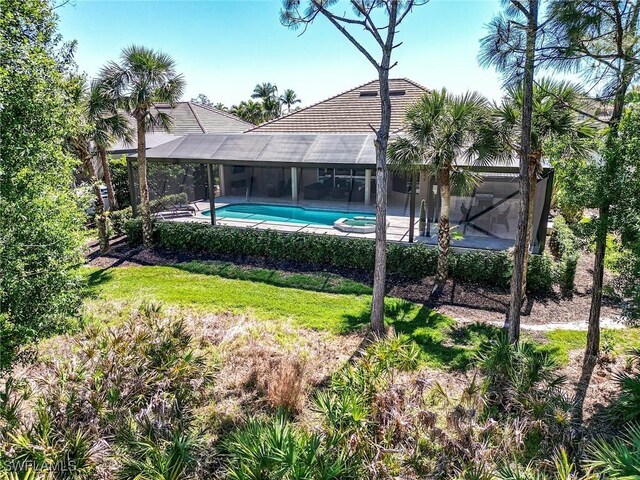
[(397, 93), (368, 93)]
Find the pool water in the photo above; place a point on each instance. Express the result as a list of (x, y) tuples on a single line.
[(283, 213)]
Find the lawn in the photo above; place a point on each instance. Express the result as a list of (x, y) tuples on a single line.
[(218, 288), (320, 301)]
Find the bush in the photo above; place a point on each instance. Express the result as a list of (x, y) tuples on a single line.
[(124, 399), (523, 384), (562, 238), (564, 245), (618, 459), (628, 403), (566, 272), (540, 273), (411, 261), (275, 449), (625, 262), (120, 180), (118, 219), (492, 268)]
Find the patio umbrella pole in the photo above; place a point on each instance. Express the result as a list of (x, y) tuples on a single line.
[(212, 194)]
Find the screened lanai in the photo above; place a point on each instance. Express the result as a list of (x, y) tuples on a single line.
[(238, 175)]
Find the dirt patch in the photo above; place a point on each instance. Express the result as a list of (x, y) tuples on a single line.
[(463, 301), (602, 392)]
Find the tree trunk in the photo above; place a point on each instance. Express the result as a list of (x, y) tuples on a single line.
[(147, 232), (101, 219), (611, 170), (444, 236), (533, 184), (382, 139), (106, 173), (512, 323)]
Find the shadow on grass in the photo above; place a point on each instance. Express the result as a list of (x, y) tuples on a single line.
[(443, 343), (95, 280), (318, 282)]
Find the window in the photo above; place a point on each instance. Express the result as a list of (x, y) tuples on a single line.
[(325, 173), (402, 184), (342, 177), (237, 169)]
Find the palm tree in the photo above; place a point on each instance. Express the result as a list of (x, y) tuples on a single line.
[(289, 98), (249, 111), (264, 90), (81, 145), (441, 128), (554, 117), (143, 77), (109, 124), (271, 104)]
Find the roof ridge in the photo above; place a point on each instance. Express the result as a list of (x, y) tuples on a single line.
[(412, 82), (309, 106), (195, 115), (256, 127), (220, 112)]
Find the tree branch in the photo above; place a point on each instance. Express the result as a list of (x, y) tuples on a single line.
[(331, 17), (569, 106)]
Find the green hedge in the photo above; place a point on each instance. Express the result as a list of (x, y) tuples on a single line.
[(118, 220), (562, 239), (564, 245), (413, 261)]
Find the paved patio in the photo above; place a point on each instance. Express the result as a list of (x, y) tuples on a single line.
[(397, 231)]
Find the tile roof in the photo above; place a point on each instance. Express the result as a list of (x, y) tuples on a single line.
[(195, 118), (187, 118), (349, 112)]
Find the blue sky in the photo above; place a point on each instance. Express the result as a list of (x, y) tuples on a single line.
[(225, 47)]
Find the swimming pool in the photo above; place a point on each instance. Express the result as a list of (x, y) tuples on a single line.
[(283, 213)]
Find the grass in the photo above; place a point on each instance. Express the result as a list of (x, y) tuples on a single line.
[(337, 313), (311, 300), (561, 342), (320, 301), (318, 282)]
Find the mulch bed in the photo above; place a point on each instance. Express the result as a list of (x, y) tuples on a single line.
[(463, 301)]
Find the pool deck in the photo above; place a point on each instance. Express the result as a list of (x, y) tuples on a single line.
[(397, 217)]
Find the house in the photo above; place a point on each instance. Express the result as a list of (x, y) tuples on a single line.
[(324, 156)]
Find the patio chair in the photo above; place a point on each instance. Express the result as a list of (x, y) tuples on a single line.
[(502, 218)]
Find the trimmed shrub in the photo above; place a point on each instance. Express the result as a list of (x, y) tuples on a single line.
[(562, 239), (566, 272), (118, 219), (133, 231), (492, 268), (564, 245), (412, 261), (540, 273)]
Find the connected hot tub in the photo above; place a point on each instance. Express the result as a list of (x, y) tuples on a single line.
[(358, 224)]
